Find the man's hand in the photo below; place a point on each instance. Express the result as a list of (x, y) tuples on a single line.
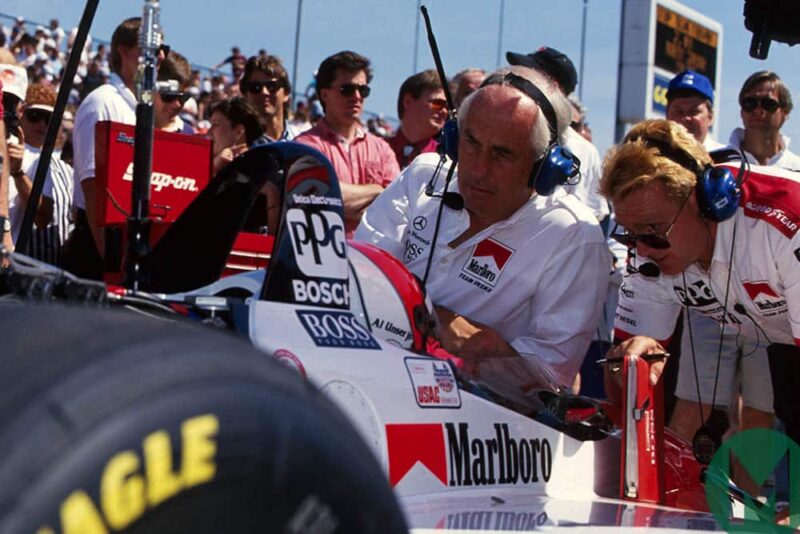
[(470, 340), (635, 346), (227, 155)]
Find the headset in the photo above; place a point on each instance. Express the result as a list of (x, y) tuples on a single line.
[(558, 166), (718, 190)]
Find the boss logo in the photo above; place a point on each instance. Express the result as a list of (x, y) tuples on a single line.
[(318, 240), (336, 329)]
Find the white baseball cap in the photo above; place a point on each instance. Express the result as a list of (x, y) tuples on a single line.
[(15, 80)]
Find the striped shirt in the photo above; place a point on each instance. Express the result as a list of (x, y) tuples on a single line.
[(46, 243)]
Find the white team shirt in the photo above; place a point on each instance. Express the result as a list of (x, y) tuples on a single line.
[(587, 190), (765, 274), (538, 278), (109, 102)]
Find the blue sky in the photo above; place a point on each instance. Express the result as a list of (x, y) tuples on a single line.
[(467, 32)]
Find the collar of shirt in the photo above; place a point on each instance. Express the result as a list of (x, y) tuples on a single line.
[(406, 151), (454, 223), (325, 131), (737, 136), (126, 93)]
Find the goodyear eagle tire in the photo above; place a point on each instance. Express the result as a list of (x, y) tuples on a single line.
[(114, 422)]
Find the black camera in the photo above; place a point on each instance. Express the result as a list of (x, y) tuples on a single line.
[(10, 117)]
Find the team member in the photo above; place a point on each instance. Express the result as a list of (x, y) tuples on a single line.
[(513, 273), (690, 102), (733, 259), (562, 71)]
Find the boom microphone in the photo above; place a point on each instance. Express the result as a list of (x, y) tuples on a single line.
[(451, 199), (649, 270)]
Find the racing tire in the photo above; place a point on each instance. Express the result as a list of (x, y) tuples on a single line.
[(111, 421)]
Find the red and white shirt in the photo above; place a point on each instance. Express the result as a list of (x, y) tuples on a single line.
[(764, 293)]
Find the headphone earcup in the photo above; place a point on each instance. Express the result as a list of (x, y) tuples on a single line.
[(718, 193), (556, 168), (448, 140)]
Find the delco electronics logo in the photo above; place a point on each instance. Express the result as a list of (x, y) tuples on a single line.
[(336, 329), (160, 180), (457, 458), (318, 241)]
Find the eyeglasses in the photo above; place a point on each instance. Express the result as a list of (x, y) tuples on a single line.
[(768, 104), (655, 241), (437, 104), (37, 115), (255, 87), (349, 89), (170, 97)]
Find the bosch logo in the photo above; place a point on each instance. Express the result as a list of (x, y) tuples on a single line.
[(314, 292), (318, 240), (420, 223)]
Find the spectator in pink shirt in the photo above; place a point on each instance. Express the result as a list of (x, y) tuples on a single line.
[(364, 163)]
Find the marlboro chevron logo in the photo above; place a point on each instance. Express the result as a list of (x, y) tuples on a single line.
[(487, 261), (458, 457)]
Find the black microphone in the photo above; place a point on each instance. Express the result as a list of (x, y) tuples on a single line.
[(450, 199), (649, 270)]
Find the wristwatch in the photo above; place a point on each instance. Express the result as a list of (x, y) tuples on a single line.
[(5, 227)]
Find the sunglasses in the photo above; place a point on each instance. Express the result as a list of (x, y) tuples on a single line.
[(169, 97), (255, 88), (349, 89), (768, 104), (437, 104), (37, 115), (655, 240)]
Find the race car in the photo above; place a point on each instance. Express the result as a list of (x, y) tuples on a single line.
[(459, 450)]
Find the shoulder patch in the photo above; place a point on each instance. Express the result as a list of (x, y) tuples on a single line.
[(774, 199)]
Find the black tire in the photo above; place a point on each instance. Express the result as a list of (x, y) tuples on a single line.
[(82, 390)]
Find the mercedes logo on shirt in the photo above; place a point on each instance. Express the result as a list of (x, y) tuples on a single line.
[(420, 223)]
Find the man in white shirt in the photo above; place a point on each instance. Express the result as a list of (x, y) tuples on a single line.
[(114, 101), (513, 273), (765, 103), (561, 69)]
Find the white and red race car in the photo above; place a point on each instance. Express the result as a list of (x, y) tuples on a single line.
[(459, 452)]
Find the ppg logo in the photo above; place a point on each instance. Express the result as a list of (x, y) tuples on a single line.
[(318, 241)]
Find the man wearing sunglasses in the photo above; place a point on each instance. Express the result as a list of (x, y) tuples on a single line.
[(167, 105), (265, 85), (364, 162), (732, 258), (52, 219), (765, 103), (422, 109)]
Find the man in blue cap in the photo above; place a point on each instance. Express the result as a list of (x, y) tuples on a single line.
[(690, 102)]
